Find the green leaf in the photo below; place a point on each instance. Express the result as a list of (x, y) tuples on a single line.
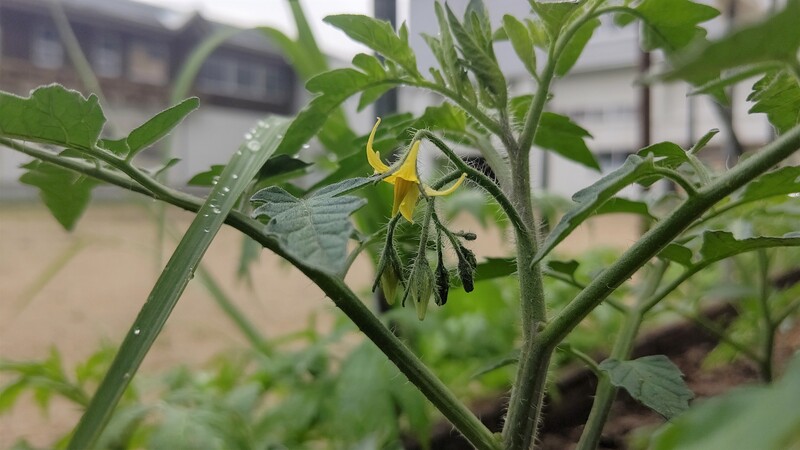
[(718, 245), (783, 181), (495, 268), (334, 88), (207, 178), (480, 60), (738, 419), (652, 380), (667, 154), (672, 25), (776, 38), (315, 230), (677, 253), (563, 136), (572, 51), (554, 14), (379, 36), (281, 165), (65, 193), (777, 95), (444, 117), (173, 280), (52, 115), (159, 126), (625, 206), (592, 197), (521, 41)]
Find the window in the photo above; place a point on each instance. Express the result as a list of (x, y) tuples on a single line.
[(46, 49), (148, 62), (107, 55), (227, 75)]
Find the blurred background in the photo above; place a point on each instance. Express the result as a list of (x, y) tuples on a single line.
[(50, 296)]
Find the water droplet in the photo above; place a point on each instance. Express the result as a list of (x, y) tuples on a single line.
[(238, 153), (248, 136), (205, 215), (216, 210), (136, 331), (280, 136), (306, 146), (253, 146), (215, 179), (226, 189), (261, 123), (205, 230), (235, 177)]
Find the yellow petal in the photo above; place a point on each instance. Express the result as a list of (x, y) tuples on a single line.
[(434, 193), (374, 157), (409, 202), (408, 170), (405, 198)]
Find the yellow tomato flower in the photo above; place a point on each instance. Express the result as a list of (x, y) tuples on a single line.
[(405, 180)]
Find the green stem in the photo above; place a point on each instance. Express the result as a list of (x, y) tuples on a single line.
[(769, 326), (430, 386), (678, 178), (623, 347), (478, 177)]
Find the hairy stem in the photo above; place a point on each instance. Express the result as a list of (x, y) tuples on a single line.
[(766, 315)]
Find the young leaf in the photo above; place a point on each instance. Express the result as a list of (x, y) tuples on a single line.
[(379, 36), (65, 193), (653, 380), (159, 126), (480, 60), (52, 115), (575, 47), (521, 41), (563, 136), (554, 14), (315, 230), (589, 199), (777, 95)]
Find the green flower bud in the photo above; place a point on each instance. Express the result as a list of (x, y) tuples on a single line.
[(389, 281), (420, 286)]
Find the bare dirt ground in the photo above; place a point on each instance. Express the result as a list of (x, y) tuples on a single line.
[(107, 268)]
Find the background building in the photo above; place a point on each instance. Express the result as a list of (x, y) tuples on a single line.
[(136, 50)]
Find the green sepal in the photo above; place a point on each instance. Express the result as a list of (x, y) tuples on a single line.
[(442, 276)]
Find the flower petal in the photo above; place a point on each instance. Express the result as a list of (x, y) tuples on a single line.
[(434, 193), (374, 157), (405, 198), (408, 169)]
